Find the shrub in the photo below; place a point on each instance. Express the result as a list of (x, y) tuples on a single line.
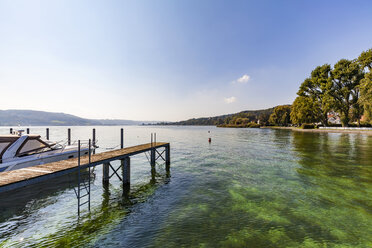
[(334, 125), (365, 124), (362, 124), (307, 126), (253, 125)]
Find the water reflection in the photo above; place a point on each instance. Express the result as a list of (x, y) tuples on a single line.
[(298, 190), (114, 206), (334, 155), (336, 173)]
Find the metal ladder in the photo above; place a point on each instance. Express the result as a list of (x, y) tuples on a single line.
[(82, 191)]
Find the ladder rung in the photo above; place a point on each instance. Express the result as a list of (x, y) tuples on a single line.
[(83, 185), (83, 203), (84, 195)]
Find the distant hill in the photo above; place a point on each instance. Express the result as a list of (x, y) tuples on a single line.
[(42, 118), (262, 115)]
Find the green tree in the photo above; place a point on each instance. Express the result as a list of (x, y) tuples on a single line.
[(241, 121), (304, 110), (317, 88), (281, 116), (264, 118), (365, 59), (366, 95), (228, 120), (344, 88)]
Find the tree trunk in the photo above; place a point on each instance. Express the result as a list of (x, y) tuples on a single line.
[(325, 120), (345, 120)]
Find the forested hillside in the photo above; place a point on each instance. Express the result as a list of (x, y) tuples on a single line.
[(42, 118), (261, 116)]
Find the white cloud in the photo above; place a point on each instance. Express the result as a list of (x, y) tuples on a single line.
[(229, 100), (243, 79)]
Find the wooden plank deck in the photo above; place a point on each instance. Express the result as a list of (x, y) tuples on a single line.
[(18, 178)]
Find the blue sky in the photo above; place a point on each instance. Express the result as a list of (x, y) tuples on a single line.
[(170, 60)]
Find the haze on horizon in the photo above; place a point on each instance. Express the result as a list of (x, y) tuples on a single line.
[(170, 60)]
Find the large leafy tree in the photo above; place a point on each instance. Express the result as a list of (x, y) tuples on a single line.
[(303, 110), (344, 88), (316, 88), (281, 115), (366, 95), (365, 60), (264, 118)]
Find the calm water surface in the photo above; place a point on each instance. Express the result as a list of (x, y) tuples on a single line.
[(248, 188)]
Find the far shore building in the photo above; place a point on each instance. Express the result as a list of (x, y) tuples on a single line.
[(333, 118)]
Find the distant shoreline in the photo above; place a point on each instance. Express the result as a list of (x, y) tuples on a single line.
[(366, 132)]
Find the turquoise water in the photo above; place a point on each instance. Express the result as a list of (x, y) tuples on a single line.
[(248, 188)]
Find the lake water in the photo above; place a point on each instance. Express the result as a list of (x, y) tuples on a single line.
[(248, 188)]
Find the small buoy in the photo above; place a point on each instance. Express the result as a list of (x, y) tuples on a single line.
[(210, 140)]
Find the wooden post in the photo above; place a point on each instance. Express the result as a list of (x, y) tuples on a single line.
[(153, 175), (122, 138), (28, 131), (69, 136), (125, 163), (94, 140), (106, 173), (11, 130), (152, 157), (167, 157), (47, 133), (78, 196), (90, 160)]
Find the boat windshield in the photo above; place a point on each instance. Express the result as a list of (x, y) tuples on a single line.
[(5, 142), (31, 145)]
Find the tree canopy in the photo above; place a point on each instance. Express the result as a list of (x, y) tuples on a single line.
[(366, 95), (345, 80), (281, 116), (303, 110), (316, 89), (346, 89), (365, 59)]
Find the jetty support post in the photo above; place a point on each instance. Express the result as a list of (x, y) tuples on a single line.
[(152, 151), (106, 173), (125, 169), (78, 194), (122, 138), (94, 140), (167, 157), (69, 136), (152, 155), (47, 133), (90, 161), (125, 163)]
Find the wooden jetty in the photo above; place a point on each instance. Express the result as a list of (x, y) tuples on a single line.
[(20, 178)]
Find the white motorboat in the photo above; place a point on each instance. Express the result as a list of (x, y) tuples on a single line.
[(20, 151)]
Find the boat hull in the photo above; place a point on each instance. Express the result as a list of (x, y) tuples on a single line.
[(47, 157)]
